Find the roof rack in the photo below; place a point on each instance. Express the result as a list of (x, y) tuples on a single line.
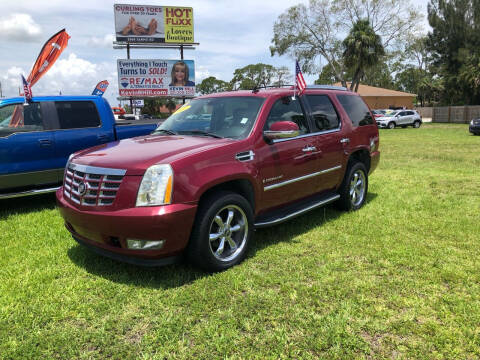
[(257, 88), (327, 87)]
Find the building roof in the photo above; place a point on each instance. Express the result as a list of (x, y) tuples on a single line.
[(366, 90)]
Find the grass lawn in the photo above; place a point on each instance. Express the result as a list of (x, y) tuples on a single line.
[(399, 278)]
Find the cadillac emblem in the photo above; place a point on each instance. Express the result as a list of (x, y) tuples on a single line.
[(82, 188)]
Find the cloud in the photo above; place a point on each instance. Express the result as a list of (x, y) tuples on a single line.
[(105, 42), (20, 27), (71, 76)]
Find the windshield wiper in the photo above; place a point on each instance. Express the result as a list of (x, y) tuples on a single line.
[(201, 132), (165, 131)]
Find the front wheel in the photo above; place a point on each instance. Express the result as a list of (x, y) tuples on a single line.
[(222, 232), (354, 188), (391, 125)]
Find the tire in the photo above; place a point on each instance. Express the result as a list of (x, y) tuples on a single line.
[(416, 124), (391, 125), (354, 188), (218, 243)]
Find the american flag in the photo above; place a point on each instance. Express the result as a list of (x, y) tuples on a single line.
[(299, 80), (27, 90)]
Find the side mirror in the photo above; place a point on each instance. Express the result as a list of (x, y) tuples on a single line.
[(282, 130)]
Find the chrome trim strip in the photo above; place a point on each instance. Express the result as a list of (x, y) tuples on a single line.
[(96, 170), (28, 193), (296, 213), (274, 186), (309, 135)]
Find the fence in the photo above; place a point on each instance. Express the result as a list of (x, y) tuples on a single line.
[(451, 114)]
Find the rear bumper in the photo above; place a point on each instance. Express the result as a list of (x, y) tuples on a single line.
[(474, 129), (106, 232), (374, 160)]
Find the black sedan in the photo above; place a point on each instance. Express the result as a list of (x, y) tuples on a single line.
[(475, 126)]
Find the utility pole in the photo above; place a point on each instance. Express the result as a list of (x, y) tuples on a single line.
[(1, 94)]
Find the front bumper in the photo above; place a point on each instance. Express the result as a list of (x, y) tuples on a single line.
[(106, 232), (381, 124)]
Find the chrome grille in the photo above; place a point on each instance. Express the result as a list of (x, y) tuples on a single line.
[(90, 185)]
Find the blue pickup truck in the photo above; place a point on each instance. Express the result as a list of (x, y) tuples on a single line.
[(37, 139)]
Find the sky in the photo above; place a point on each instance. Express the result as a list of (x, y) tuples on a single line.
[(232, 34)]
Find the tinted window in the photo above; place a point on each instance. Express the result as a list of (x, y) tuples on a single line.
[(20, 118), (410, 113), (356, 109), (324, 115), (77, 114), (286, 109)]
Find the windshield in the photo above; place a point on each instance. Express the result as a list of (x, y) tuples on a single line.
[(231, 117), (390, 114)]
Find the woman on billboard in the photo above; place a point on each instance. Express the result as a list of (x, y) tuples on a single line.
[(180, 75)]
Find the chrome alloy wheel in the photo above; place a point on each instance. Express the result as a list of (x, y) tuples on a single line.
[(228, 233), (357, 187)]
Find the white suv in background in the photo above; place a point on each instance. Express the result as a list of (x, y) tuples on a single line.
[(401, 118)]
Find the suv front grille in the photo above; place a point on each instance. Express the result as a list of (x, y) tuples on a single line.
[(90, 185)]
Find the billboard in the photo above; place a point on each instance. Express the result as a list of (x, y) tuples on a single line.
[(156, 77), (153, 24)]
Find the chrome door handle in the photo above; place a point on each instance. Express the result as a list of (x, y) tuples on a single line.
[(345, 140), (309, 148)]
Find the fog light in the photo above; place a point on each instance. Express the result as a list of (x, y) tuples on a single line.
[(135, 244)]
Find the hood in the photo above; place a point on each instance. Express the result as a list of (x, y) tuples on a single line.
[(137, 154), (385, 118)]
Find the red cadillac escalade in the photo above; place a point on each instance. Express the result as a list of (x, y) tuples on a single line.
[(221, 166)]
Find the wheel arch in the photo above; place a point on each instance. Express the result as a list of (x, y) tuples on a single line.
[(243, 187), (360, 155)]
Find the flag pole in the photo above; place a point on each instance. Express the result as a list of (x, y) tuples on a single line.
[(295, 84)]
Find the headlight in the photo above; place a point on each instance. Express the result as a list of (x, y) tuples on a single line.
[(156, 186), (471, 122)]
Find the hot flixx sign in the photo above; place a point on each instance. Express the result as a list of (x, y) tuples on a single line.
[(153, 24)]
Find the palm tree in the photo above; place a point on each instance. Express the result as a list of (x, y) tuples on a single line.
[(362, 49)]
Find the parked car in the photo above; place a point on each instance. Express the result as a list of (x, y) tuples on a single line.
[(401, 118), (117, 112), (474, 127), (221, 166), (37, 139), (377, 113)]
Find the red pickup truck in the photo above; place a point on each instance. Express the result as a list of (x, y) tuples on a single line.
[(221, 166)]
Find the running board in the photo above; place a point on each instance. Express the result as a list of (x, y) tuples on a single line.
[(29, 192), (296, 211)]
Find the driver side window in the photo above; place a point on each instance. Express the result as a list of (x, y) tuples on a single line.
[(16, 118), (286, 109)]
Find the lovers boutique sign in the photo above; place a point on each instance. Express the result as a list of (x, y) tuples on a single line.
[(153, 24), (156, 77)]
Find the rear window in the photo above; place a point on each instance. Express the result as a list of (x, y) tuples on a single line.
[(323, 113), (77, 114), (356, 109)]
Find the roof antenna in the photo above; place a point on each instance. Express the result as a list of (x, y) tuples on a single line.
[(255, 89)]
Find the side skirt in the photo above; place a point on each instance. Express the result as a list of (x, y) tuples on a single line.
[(29, 193), (294, 210)]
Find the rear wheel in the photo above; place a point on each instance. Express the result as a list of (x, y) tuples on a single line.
[(416, 124), (354, 188), (391, 125), (222, 232)]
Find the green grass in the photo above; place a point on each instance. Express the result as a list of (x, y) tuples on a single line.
[(398, 279)]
